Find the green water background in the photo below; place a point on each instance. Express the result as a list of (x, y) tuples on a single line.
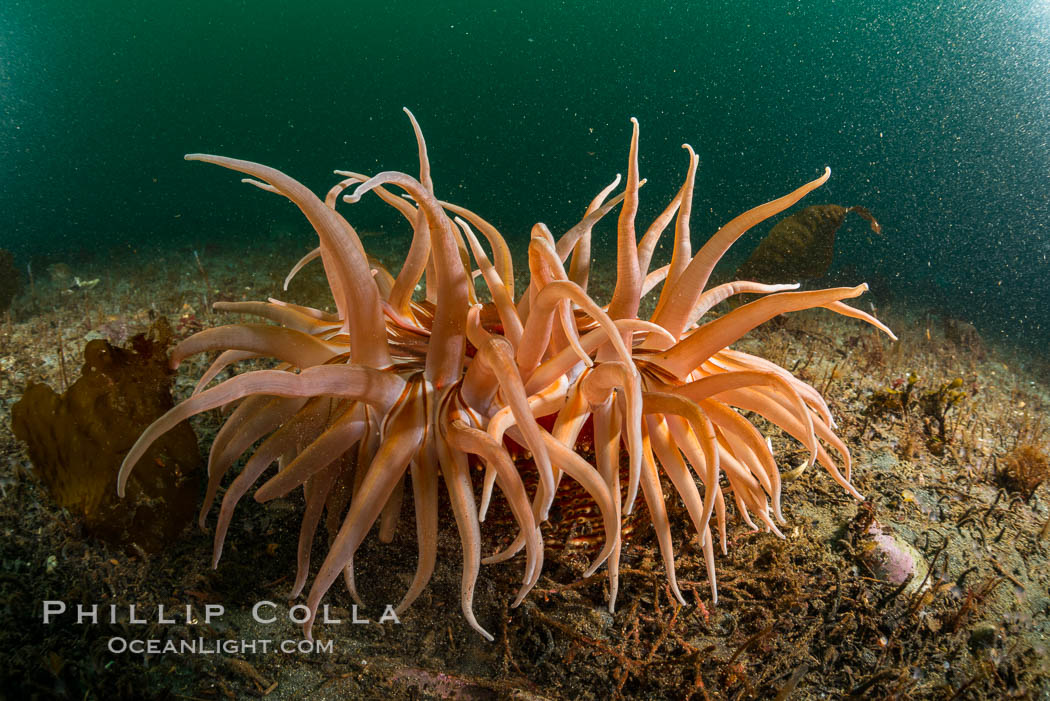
[(936, 116)]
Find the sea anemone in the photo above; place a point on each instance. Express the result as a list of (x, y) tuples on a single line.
[(391, 385)]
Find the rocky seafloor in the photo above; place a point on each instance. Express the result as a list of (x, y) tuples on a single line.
[(936, 586)]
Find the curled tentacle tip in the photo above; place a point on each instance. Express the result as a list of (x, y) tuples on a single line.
[(122, 481), (634, 120)]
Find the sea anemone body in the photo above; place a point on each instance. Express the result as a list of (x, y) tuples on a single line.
[(391, 387)]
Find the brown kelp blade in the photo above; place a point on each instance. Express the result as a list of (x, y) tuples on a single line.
[(800, 246)]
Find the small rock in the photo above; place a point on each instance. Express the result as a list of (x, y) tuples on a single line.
[(60, 274), (983, 636), (892, 558)]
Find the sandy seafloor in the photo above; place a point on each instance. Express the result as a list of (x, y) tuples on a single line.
[(804, 617)]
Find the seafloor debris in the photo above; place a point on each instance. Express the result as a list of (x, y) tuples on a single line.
[(10, 280), (800, 246), (78, 439), (79, 284), (1023, 469), (893, 399), (60, 274), (965, 336), (935, 407)]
